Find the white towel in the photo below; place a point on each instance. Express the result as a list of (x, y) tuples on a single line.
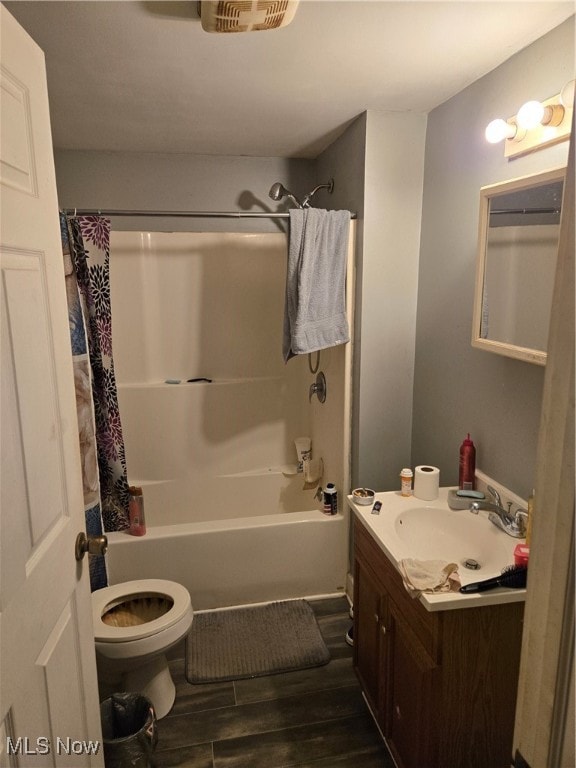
[(429, 576), (315, 305)]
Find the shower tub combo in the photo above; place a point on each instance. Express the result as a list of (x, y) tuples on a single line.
[(227, 517)]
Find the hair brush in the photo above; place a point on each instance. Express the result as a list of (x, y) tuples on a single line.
[(513, 576)]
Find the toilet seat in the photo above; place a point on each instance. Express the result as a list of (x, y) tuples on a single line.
[(102, 598)]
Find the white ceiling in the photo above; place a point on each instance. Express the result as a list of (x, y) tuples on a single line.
[(144, 76)]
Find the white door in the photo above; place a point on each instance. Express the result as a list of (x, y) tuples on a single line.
[(49, 712)]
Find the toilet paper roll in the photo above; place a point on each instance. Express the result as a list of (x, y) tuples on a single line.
[(426, 482)]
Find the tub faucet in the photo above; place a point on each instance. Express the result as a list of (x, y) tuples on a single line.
[(512, 524)]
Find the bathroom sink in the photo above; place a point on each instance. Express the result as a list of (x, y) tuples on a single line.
[(407, 527), (471, 541)]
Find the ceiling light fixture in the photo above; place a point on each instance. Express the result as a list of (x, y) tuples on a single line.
[(537, 124)]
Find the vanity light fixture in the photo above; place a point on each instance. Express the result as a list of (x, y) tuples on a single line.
[(537, 124), (499, 129), (534, 113), (567, 94)]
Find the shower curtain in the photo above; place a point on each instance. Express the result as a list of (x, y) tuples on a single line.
[(86, 248)]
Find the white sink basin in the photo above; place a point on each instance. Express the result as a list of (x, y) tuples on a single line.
[(471, 541), (429, 530)]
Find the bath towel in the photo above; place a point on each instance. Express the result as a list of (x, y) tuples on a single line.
[(429, 576), (315, 303)]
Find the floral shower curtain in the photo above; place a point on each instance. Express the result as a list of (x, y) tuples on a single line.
[(86, 248)]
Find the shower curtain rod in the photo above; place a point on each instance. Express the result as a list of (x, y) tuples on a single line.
[(180, 214)]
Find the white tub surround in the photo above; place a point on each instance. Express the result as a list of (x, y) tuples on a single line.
[(209, 306)]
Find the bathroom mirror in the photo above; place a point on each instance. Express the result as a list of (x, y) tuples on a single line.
[(519, 227)]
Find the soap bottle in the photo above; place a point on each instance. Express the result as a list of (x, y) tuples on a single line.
[(467, 474), (136, 511)]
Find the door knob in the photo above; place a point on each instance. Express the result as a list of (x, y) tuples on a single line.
[(94, 545)]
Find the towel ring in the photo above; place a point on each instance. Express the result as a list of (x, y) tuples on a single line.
[(314, 369)]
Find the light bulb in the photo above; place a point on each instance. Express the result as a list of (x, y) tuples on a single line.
[(530, 115), (567, 94), (498, 130)]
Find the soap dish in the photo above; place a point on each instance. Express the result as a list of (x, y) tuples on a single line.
[(462, 502)]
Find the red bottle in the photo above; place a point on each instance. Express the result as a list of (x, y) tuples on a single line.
[(467, 474), (136, 511)]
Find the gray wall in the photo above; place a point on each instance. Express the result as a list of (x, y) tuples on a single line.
[(458, 389), (176, 182), (394, 165), (379, 164), (343, 161)]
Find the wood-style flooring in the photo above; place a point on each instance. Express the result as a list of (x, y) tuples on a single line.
[(314, 718)]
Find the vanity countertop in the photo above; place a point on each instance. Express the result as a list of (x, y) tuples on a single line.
[(407, 527)]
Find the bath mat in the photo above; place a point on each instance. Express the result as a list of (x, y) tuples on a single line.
[(253, 641)]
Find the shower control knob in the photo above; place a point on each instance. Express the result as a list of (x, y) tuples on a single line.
[(318, 388), (94, 545)]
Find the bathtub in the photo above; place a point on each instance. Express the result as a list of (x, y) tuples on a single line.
[(214, 454), (239, 561)]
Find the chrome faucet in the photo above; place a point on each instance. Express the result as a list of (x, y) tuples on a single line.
[(512, 524)]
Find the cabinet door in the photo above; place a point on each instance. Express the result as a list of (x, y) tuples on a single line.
[(367, 612), (413, 675)]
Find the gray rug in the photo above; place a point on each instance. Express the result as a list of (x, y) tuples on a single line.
[(253, 641)]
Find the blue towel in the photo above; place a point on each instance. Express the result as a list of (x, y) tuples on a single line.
[(315, 305)]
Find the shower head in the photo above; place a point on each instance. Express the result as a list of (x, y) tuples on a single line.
[(278, 191), (328, 187)]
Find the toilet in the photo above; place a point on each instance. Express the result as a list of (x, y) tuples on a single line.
[(135, 623)]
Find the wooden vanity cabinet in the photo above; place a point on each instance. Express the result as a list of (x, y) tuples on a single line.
[(441, 685)]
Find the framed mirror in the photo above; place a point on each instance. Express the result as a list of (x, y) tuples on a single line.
[(518, 234)]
